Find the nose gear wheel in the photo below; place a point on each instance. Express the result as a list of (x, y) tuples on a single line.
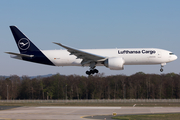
[(162, 65)]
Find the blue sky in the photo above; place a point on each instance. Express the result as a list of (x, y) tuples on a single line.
[(89, 24)]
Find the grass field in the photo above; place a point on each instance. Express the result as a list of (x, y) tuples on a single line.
[(87, 103), (94, 102), (175, 116)]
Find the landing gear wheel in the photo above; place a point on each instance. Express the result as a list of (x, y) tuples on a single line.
[(88, 72), (96, 71), (92, 72), (162, 65)]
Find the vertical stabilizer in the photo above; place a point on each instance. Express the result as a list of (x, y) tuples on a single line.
[(28, 50), (24, 44)]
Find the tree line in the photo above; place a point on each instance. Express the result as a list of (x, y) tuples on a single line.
[(136, 86)]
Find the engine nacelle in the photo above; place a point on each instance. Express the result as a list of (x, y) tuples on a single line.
[(114, 63)]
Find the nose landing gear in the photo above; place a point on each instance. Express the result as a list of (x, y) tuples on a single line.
[(162, 65), (161, 70)]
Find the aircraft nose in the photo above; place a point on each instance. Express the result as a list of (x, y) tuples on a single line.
[(175, 57)]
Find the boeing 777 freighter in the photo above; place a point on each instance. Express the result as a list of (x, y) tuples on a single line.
[(114, 59)]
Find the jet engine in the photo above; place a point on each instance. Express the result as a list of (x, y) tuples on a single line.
[(114, 63)]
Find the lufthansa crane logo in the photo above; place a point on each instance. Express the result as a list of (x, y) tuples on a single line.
[(23, 44)]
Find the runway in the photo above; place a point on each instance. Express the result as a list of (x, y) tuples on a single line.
[(78, 113)]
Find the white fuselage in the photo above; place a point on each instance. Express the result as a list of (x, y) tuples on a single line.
[(114, 59), (136, 56)]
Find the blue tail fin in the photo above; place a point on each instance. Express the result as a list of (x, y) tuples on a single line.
[(28, 50), (24, 44)]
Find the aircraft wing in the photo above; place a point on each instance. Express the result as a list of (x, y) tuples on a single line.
[(87, 57)]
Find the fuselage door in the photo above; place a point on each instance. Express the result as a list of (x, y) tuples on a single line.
[(159, 54)]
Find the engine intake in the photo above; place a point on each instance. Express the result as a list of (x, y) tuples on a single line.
[(114, 63)]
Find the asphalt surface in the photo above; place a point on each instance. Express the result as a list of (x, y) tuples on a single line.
[(77, 113), (7, 107)]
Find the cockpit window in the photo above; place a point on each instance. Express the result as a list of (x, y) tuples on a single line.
[(171, 53)]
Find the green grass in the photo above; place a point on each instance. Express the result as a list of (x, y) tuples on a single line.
[(175, 116), (117, 104)]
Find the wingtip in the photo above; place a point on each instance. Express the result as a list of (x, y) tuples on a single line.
[(57, 43), (7, 52)]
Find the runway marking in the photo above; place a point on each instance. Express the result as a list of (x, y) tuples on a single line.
[(27, 119), (5, 119), (82, 107), (29, 114)]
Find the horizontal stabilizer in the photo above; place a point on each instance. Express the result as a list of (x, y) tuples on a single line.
[(22, 55)]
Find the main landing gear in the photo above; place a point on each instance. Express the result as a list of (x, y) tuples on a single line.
[(92, 69)]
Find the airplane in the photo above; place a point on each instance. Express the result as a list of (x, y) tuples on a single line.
[(114, 59)]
